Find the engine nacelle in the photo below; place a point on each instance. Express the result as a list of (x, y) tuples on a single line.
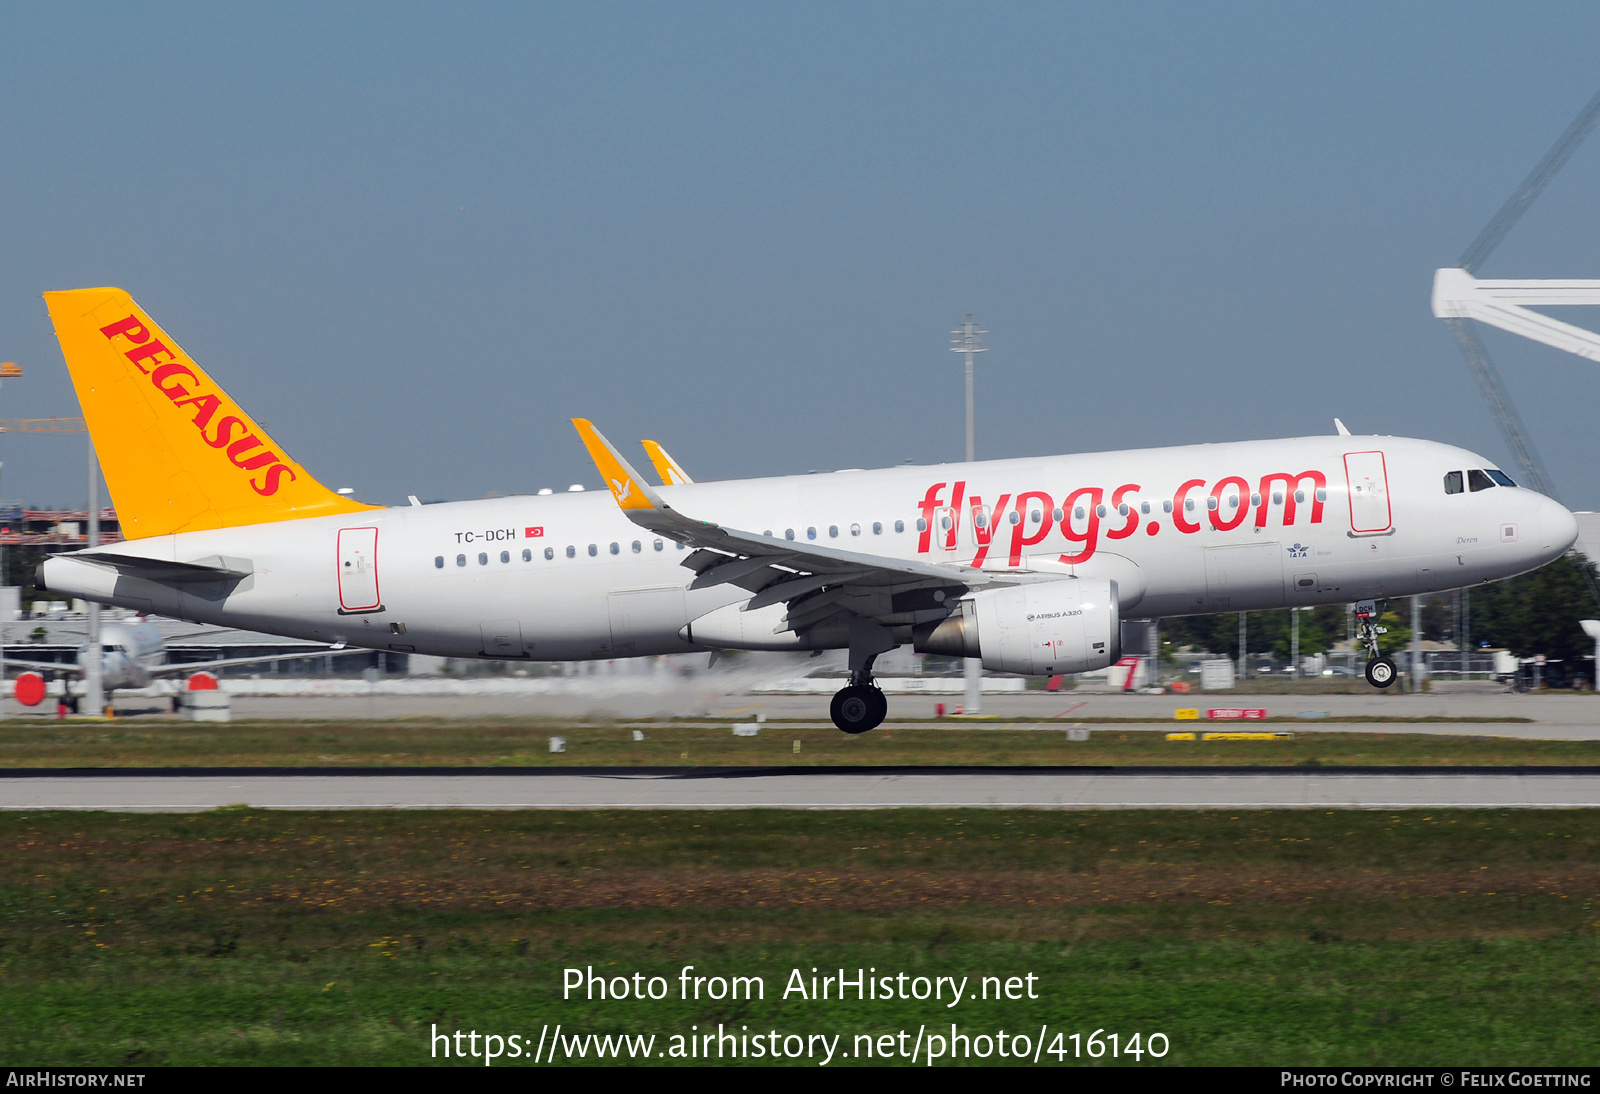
[(1072, 625)]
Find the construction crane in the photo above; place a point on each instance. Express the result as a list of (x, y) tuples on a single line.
[(43, 425), (1459, 296)]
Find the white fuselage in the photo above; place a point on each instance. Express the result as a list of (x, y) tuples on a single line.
[(128, 652), (568, 576)]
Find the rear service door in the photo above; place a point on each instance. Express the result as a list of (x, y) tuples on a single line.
[(358, 570), (1368, 479)]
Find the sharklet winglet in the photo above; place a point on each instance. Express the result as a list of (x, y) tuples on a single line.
[(627, 486), (671, 473)]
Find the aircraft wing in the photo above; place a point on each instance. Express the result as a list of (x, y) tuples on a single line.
[(817, 583), (72, 668), (69, 668), (181, 668)]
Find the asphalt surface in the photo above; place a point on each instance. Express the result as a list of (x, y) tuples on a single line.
[(147, 791), (1547, 715)]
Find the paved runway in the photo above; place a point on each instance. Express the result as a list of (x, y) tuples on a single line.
[(1550, 715), (1048, 790)]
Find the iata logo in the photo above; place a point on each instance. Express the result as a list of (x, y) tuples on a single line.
[(1298, 551), (1033, 515), (156, 361)]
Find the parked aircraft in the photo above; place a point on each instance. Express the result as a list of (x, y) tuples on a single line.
[(133, 653), (1029, 564)]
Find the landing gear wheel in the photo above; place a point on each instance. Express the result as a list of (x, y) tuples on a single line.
[(880, 706), (858, 708), (1380, 672)]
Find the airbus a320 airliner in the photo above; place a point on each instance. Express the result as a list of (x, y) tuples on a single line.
[(1029, 564)]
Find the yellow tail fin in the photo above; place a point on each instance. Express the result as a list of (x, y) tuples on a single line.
[(178, 454)]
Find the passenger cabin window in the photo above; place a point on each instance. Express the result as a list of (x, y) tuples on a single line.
[(438, 561), (1479, 480), (899, 526), (483, 558), (615, 549), (637, 547), (461, 560), (593, 550), (549, 553), (505, 556), (833, 531), (572, 552), (658, 544), (922, 525), (1500, 477), (1452, 482), (527, 555), (877, 527)]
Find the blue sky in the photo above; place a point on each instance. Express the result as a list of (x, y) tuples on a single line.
[(413, 241)]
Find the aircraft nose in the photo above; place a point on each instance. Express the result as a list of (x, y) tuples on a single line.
[(1558, 529)]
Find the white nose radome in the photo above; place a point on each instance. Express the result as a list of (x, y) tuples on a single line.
[(1558, 529)]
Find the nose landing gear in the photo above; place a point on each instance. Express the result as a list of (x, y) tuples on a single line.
[(1381, 670)]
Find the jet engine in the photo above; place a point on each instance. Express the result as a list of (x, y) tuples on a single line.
[(1041, 629)]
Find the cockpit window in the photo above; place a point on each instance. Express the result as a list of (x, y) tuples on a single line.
[(1479, 480), (1452, 482), (1500, 477)]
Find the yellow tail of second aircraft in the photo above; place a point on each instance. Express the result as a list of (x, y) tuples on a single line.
[(178, 454)]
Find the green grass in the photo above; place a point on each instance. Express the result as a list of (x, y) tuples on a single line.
[(518, 742), (1457, 937)]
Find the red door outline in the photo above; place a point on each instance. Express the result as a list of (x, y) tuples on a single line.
[(358, 557), (1350, 487)]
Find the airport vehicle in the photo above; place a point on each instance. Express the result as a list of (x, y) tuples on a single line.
[(133, 653), (1030, 564)]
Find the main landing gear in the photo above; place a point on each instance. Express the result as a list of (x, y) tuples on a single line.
[(1381, 670), (860, 705), (68, 703)]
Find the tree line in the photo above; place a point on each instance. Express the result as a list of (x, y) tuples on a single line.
[(1536, 613)]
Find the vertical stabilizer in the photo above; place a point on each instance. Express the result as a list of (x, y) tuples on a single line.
[(178, 454)]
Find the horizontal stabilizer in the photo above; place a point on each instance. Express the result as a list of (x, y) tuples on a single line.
[(214, 568)]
